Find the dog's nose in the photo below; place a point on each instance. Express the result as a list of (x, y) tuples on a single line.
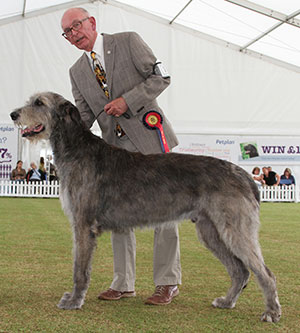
[(14, 115)]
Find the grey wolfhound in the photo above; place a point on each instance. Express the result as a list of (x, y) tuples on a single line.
[(106, 188)]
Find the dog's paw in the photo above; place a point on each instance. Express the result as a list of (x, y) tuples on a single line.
[(271, 316), (69, 302), (223, 303)]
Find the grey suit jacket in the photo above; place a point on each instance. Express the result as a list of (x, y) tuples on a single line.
[(129, 70)]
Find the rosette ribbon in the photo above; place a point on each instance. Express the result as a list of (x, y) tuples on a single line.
[(153, 120)]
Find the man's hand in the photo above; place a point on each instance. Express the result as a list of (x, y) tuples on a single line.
[(116, 107)]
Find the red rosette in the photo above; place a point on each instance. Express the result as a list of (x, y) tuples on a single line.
[(153, 121)]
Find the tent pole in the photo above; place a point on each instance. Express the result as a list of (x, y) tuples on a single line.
[(24, 8), (180, 12), (270, 30), (266, 11)]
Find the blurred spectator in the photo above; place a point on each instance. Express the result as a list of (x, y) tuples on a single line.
[(34, 174), (52, 170), (18, 174), (257, 177), (42, 169), (270, 177), (287, 178)]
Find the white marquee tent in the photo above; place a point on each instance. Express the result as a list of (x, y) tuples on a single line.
[(234, 64)]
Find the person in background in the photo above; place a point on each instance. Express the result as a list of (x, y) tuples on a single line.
[(33, 175), (257, 177), (18, 174), (42, 169), (52, 170), (287, 178), (270, 177), (116, 81)]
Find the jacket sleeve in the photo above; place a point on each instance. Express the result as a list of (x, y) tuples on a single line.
[(85, 111), (153, 85)]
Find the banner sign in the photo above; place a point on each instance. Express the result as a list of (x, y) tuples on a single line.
[(270, 150), (247, 152), (209, 145), (8, 150)]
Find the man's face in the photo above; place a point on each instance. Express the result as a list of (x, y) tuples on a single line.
[(265, 171), (84, 37)]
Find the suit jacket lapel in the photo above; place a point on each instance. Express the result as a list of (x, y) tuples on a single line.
[(87, 71), (109, 57)]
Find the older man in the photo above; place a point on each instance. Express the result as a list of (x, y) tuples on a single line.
[(116, 82)]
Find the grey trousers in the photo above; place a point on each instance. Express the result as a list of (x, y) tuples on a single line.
[(166, 258), (166, 252)]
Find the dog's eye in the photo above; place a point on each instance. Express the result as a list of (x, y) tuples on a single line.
[(38, 102)]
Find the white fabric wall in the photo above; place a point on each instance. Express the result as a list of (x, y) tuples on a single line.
[(214, 89)]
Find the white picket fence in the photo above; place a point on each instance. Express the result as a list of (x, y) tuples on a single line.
[(43, 189), (47, 189), (279, 193)]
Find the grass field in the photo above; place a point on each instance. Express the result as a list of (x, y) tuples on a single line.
[(36, 268)]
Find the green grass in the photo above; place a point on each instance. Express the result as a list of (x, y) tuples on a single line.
[(36, 269)]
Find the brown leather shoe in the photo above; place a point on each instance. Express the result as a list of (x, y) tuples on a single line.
[(114, 295), (163, 295)]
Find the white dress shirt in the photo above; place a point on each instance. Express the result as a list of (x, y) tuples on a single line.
[(99, 50)]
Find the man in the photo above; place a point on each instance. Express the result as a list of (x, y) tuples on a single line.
[(270, 177), (116, 82)]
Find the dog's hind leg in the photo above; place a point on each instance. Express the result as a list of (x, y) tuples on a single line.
[(267, 282), (84, 244), (242, 241), (250, 254), (237, 271)]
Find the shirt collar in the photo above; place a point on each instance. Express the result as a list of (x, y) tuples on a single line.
[(98, 48)]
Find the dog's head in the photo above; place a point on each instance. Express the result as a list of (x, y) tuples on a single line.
[(42, 113), (251, 150)]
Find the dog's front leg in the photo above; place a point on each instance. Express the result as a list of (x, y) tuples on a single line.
[(84, 244)]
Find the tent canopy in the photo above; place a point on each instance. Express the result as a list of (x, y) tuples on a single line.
[(234, 65), (215, 87), (267, 27)]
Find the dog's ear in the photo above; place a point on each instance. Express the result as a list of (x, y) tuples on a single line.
[(69, 111)]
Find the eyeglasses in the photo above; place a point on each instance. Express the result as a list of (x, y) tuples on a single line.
[(76, 26)]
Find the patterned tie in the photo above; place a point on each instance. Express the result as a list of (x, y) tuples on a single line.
[(100, 74)]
